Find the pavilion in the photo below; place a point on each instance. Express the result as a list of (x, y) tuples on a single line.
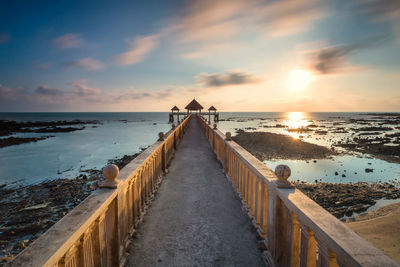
[(216, 115), (194, 106), (171, 115)]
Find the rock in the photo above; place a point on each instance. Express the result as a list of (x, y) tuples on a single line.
[(36, 207), (368, 170)]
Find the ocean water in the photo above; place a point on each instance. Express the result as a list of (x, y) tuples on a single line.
[(68, 154)]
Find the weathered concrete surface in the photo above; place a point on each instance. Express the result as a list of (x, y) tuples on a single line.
[(196, 219)]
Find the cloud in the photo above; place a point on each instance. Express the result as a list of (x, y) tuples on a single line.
[(87, 63), (208, 20), (4, 38), (68, 41), (45, 90), (90, 94), (281, 18), (205, 25), (224, 79), (334, 59), (139, 49), (137, 95), (382, 10)]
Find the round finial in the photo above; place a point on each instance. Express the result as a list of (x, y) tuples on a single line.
[(215, 126), (110, 172), (173, 126), (160, 136), (228, 136), (282, 172)]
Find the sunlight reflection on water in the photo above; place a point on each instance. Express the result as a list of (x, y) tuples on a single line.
[(295, 120)]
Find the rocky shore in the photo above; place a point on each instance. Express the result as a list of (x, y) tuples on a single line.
[(266, 146), (377, 134), (10, 141), (13, 127), (26, 212), (350, 199)]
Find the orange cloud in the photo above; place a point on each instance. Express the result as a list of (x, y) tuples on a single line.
[(139, 49)]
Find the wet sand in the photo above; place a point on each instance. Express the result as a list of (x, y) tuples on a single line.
[(266, 146), (382, 228)]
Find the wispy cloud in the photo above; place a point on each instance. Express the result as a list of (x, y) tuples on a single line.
[(4, 37), (335, 59), (68, 41), (87, 63), (137, 95), (382, 10), (208, 23), (202, 20), (45, 90), (224, 79), (87, 93), (281, 18), (138, 50), (77, 93)]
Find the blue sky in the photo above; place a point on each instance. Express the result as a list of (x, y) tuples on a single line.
[(288, 55)]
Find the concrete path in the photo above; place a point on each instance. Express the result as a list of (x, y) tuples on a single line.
[(196, 219)]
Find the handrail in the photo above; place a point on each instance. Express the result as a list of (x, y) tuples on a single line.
[(295, 229), (97, 231)]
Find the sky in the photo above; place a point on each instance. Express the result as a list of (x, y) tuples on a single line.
[(254, 55)]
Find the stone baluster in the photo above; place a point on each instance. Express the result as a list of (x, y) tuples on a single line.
[(308, 247), (259, 204), (253, 195), (265, 211), (326, 257), (294, 239)]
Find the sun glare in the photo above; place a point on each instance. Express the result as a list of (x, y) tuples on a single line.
[(296, 120), (299, 79)]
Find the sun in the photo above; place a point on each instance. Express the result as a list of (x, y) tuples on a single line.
[(299, 79)]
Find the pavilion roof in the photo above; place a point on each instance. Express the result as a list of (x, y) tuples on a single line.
[(175, 108), (194, 105), (212, 108)]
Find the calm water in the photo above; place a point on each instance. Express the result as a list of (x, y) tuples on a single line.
[(67, 154)]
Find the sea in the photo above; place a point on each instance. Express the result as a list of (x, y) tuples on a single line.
[(68, 154)]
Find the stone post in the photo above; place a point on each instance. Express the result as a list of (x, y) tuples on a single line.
[(283, 172), (110, 173)]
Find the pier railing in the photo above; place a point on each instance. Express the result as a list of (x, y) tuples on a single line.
[(295, 230), (97, 231)]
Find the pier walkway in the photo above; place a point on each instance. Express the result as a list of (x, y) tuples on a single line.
[(196, 218)]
